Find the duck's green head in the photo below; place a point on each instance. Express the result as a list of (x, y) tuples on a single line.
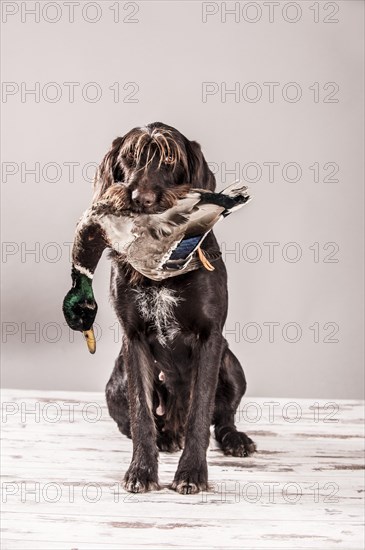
[(80, 308)]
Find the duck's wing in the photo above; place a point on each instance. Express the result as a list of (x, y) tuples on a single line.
[(161, 235), (169, 222), (171, 237)]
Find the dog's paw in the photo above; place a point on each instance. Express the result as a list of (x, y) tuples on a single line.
[(140, 480), (189, 481), (188, 487), (237, 444), (168, 442)]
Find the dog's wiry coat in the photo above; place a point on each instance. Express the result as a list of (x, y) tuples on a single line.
[(172, 326)]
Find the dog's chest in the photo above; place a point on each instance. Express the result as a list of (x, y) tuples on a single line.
[(157, 307)]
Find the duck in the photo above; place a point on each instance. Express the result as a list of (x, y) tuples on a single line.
[(158, 246)]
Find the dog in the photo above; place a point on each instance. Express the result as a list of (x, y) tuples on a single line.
[(175, 375)]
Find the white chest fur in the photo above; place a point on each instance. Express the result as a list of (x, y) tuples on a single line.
[(157, 307)]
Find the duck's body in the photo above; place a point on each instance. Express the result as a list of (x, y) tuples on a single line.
[(158, 246)]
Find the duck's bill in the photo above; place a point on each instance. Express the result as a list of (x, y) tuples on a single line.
[(90, 340)]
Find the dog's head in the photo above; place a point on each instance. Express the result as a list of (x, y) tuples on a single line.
[(156, 164)]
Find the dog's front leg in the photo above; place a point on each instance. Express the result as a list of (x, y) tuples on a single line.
[(142, 474), (192, 472)]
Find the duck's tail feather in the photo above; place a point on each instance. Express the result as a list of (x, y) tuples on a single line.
[(236, 189), (239, 193), (231, 198)]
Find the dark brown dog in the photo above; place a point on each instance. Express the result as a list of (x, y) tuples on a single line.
[(175, 375)]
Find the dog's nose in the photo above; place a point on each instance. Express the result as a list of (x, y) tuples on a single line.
[(143, 199)]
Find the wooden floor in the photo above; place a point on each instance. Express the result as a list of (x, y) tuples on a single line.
[(64, 459)]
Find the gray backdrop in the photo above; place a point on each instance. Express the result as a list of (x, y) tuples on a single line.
[(273, 92)]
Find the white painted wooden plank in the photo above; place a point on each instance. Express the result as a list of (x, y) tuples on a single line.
[(192, 533), (322, 460)]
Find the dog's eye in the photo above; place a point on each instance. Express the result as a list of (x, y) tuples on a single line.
[(131, 155), (169, 160)]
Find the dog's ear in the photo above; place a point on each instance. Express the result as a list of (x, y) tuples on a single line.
[(109, 170), (200, 174)]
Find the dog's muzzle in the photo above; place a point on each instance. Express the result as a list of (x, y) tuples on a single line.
[(143, 199)]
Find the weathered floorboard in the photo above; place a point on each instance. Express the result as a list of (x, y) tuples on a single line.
[(63, 461)]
